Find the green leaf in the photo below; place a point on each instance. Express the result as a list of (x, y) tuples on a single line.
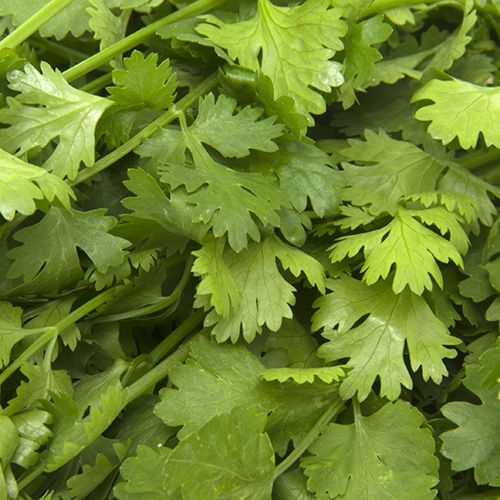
[(327, 374), (53, 263), (225, 199), (145, 475), (375, 347), (150, 203), (233, 133), (46, 108), (408, 246), (295, 45), (33, 434), (217, 378), (390, 169), (460, 109), (73, 19), (11, 330), (217, 279), (144, 82), (107, 27), (21, 184), (229, 457), (390, 456), (265, 296), (360, 56), (475, 441), (306, 176), (80, 421), (41, 382)]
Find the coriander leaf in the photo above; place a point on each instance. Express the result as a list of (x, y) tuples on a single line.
[(453, 46), (265, 296), (32, 428), (360, 55), (41, 382), (475, 442), (292, 486), (11, 330), (217, 279), (223, 198), (73, 19), (214, 380), (150, 203), (217, 378), (460, 109), (375, 347), (390, 170), (233, 133), (145, 475), (390, 455), (53, 263), (305, 175), (405, 244), (107, 27), (327, 374), (21, 184), (46, 108), (144, 82), (78, 422), (291, 45), (229, 457)]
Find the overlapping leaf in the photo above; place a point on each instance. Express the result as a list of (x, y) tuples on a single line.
[(295, 44), (375, 347), (46, 108)]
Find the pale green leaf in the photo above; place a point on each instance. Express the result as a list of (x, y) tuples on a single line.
[(21, 184), (265, 296), (229, 457), (390, 455), (293, 46), (327, 374), (460, 109), (144, 82), (231, 132), (375, 347), (46, 108), (53, 263), (405, 244)]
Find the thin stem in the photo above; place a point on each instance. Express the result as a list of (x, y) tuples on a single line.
[(39, 18), (54, 331), (478, 159), (170, 115), (97, 84), (58, 49), (157, 306), (148, 381), (137, 38), (175, 338), (330, 412)]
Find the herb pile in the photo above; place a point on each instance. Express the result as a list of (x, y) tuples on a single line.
[(249, 249)]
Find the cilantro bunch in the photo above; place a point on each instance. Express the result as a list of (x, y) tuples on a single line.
[(249, 250)]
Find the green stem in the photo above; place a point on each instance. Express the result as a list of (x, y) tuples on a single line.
[(378, 6), (57, 49), (54, 331), (97, 84), (148, 381), (478, 159), (315, 431), (39, 18), (170, 115), (138, 37), (175, 338), (157, 306)]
